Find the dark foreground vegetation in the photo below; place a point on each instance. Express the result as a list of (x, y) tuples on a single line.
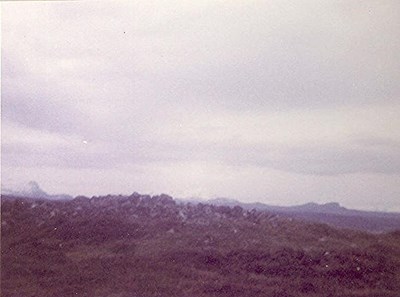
[(142, 246)]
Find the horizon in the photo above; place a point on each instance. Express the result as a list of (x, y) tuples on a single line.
[(20, 188), (281, 102)]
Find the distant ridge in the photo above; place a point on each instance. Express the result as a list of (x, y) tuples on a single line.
[(31, 190), (330, 207), (331, 213)]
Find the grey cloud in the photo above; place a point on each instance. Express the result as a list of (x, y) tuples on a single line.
[(340, 160), (296, 64), (40, 109), (26, 156), (244, 57), (310, 160), (140, 81), (378, 143), (319, 160)]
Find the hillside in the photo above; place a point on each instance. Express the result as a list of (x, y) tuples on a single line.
[(143, 246)]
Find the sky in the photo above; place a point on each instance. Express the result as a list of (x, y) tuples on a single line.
[(282, 102)]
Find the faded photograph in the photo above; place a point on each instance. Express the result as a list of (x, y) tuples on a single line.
[(200, 148)]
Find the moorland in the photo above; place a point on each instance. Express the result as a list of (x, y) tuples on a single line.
[(148, 246)]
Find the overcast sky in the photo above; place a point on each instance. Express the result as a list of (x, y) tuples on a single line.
[(283, 102)]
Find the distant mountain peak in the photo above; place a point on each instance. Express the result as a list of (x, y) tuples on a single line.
[(30, 189), (333, 205), (312, 206), (34, 185), (328, 204), (222, 200)]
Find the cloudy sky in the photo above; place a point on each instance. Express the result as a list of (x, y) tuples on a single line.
[(283, 102)]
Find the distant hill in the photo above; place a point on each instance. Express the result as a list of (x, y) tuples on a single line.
[(330, 213), (31, 190)]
